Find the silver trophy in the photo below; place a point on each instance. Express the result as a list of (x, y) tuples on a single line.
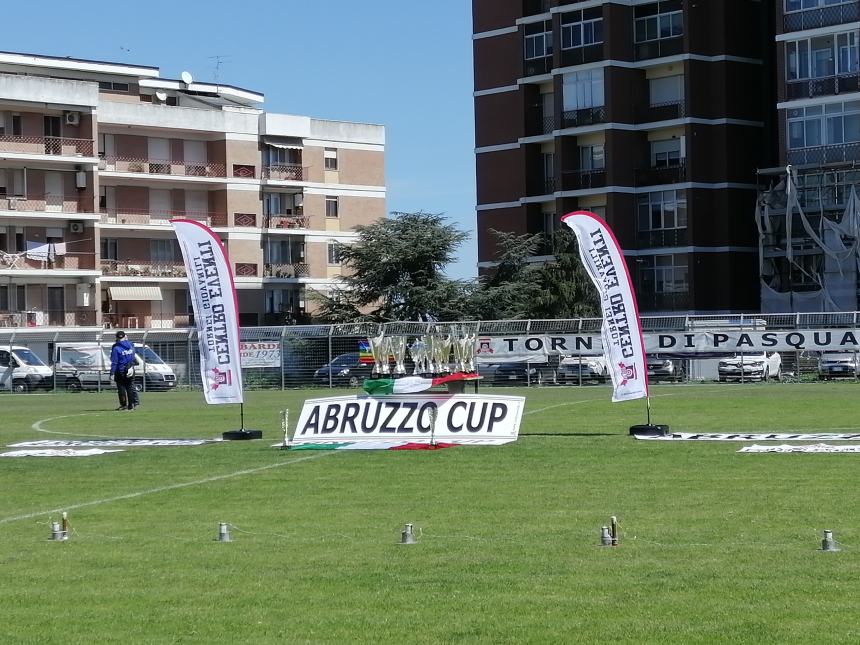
[(397, 344), (418, 351), (380, 349), (429, 342), (464, 351), (442, 353)]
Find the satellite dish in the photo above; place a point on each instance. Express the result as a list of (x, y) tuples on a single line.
[(161, 96), (186, 78)]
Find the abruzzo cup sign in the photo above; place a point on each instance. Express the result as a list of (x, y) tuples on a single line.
[(213, 297), (620, 332)]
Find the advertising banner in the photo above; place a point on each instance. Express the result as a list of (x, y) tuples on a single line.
[(419, 418), (621, 331), (260, 353), (213, 296)]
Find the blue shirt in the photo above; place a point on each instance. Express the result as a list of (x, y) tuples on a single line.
[(121, 356)]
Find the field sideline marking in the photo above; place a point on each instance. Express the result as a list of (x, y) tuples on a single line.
[(161, 489), (561, 405), (38, 425)]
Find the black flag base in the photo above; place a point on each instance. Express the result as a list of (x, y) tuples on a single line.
[(650, 430), (241, 435)]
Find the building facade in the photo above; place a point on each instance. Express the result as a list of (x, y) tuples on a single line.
[(96, 158), (808, 209), (650, 114)]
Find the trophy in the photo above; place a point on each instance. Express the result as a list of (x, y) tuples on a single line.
[(397, 344), (442, 351), (380, 348), (464, 351), (429, 342), (418, 351)]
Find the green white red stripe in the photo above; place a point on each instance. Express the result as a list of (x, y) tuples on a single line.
[(411, 384)]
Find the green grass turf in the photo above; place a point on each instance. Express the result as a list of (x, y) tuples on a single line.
[(716, 546)]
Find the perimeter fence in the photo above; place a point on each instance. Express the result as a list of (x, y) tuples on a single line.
[(326, 356)]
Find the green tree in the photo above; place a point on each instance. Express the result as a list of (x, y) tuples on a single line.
[(394, 271), (564, 288)]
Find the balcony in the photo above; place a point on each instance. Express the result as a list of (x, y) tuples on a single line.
[(659, 48), (47, 318), (53, 146), (660, 112), (825, 154), (540, 186), (537, 123), (284, 172), (140, 320), (822, 17), (827, 86), (162, 167), (143, 268), (286, 221), (664, 301), (655, 176), (581, 55), (286, 270), (583, 179), (68, 262), (537, 66), (76, 203), (535, 7), (155, 217), (583, 117), (662, 238)]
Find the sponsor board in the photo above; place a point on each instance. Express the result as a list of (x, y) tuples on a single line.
[(818, 447), (260, 354), (745, 436), (52, 452), (96, 443), (419, 418)]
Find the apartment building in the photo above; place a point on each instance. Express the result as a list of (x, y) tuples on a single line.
[(809, 214), (650, 114), (97, 157)]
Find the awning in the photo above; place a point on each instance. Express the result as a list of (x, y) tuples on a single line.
[(135, 293), (284, 146)]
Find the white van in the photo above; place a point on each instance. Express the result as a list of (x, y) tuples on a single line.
[(22, 371), (86, 366)]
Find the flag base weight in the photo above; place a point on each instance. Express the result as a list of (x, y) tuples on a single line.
[(241, 435), (650, 430)]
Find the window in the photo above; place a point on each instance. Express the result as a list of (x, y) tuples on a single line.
[(278, 203), (581, 28), (331, 206), (666, 90), (818, 125), (16, 125), (113, 86), (12, 182), (822, 56), (279, 301), (19, 242), (4, 297), (663, 274), (661, 210), (802, 5), (583, 89), (331, 158), (665, 153), (334, 253), (591, 157), (538, 40), (161, 250), (548, 165), (657, 21), (109, 248)]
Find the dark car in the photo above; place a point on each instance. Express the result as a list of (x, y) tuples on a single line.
[(344, 370), (524, 374)]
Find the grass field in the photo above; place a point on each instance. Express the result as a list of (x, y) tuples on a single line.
[(716, 546)]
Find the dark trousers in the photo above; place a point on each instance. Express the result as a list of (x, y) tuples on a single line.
[(125, 390)]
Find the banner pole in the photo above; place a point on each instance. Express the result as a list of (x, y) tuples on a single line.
[(242, 417), (648, 406)]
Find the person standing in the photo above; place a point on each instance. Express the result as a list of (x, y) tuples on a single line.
[(122, 362)]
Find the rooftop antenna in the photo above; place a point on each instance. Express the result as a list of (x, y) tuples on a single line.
[(219, 60)]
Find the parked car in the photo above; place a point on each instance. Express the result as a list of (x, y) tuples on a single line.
[(750, 367), (838, 365), (22, 370), (157, 374), (524, 374), (664, 369), (576, 369), (86, 366), (344, 370)]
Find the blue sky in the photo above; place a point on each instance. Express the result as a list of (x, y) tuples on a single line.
[(404, 64)]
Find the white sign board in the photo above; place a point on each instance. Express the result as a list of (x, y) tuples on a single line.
[(474, 419), (260, 354)]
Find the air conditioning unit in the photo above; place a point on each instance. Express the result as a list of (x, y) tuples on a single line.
[(76, 227), (298, 199), (73, 118), (13, 204)]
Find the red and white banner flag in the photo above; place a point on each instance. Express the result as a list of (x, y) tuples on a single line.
[(213, 296), (621, 331)]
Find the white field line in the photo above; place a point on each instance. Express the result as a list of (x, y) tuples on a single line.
[(561, 405), (38, 426), (161, 489)]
